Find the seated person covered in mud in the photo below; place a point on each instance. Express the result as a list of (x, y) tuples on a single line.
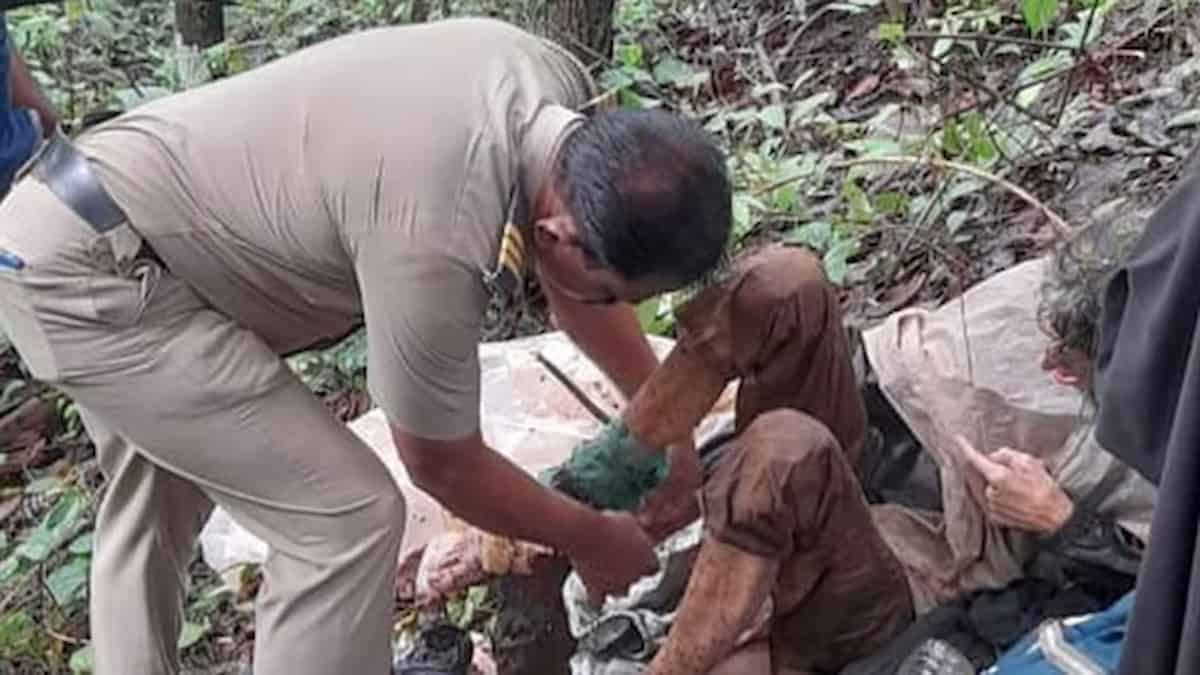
[(797, 572)]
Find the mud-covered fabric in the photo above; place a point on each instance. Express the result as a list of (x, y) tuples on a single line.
[(972, 367), (775, 323), (786, 491)]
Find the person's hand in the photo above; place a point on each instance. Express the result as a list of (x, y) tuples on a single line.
[(48, 119), (673, 504), (1019, 491), (451, 562), (614, 555)]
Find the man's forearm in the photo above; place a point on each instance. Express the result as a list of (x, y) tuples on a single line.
[(611, 337), (27, 94), (484, 488)]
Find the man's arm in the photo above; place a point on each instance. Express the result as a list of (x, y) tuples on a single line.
[(610, 335), (27, 94), (484, 488)]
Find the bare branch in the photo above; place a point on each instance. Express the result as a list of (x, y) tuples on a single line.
[(985, 37)]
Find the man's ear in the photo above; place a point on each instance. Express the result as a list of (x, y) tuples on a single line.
[(549, 232)]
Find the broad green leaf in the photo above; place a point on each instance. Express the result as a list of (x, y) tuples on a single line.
[(773, 117), (876, 147), (784, 198), (192, 633), (1039, 14), (647, 313), (893, 203), (614, 79), (9, 568), (743, 222), (67, 583), (1037, 70), (857, 202), (837, 260), (83, 660), (955, 220), (16, 629), (886, 112), (805, 108), (816, 235), (57, 525), (952, 141), (891, 32), (672, 71), (630, 55)]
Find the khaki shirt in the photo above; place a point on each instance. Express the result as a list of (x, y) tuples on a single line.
[(366, 178)]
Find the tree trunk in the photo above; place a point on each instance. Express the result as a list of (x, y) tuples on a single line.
[(583, 26), (200, 23)]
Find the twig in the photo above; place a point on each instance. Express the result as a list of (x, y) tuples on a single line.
[(984, 37), (916, 229), (769, 68), (1056, 220), (995, 96), (812, 20), (576, 391), (1079, 56)]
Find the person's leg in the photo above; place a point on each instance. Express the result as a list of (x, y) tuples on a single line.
[(785, 520), (753, 659), (146, 531), (214, 411), (287, 471)]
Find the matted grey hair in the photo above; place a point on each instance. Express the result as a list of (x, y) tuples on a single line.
[(1080, 268)]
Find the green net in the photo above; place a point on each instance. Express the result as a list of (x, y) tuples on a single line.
[(611, 471)]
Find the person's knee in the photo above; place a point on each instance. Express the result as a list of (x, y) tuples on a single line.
[(784, 439), (768, 496)]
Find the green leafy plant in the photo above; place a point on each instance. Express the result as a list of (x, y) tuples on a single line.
[(1039, 14)]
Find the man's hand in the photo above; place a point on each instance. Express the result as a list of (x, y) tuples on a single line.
[(673, 504), (618, 553), (27, 94), (1019, 491)]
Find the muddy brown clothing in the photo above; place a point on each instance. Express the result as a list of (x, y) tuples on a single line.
[(853, 576), (787, 488), (367, 178)]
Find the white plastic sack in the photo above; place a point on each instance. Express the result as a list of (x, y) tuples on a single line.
[(526, 415)]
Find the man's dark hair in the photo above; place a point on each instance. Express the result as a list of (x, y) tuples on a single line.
[(649, 193)]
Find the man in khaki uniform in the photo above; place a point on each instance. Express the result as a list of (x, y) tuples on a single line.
[(158, 269)]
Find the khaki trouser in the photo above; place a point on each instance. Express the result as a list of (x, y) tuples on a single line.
[(188, 409)]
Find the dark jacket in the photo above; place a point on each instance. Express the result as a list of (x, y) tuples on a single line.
[(1149, 390)]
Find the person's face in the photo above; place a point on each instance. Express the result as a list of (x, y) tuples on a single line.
[(564, 267), (1068, 367)]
